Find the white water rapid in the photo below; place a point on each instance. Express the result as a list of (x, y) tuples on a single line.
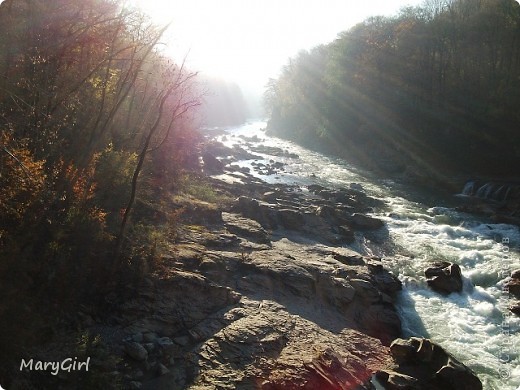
[(475, 325)]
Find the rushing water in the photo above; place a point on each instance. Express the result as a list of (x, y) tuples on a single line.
[(475, 325)]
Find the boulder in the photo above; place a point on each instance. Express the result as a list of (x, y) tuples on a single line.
[(262, 212), (444, 277), (514, 287), (514, 284), (327, 212), (291, 219), (211, 163), (364, 222), (135, 351), (430, 365)]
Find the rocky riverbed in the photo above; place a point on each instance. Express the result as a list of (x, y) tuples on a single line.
[(261, 293)]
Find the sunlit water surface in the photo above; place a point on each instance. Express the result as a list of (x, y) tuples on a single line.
[(475, 325)]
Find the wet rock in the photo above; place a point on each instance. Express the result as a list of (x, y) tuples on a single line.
[(431, 365), (513, 285), (444, 277), (364, 222), (315, 188), (357, 187), (385, 281), (515, 308), (135, 351)]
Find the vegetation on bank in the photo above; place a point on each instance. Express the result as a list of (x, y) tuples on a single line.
[(95, 131), (432, 90)]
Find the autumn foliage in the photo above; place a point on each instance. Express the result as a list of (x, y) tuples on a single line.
[(92, 115)]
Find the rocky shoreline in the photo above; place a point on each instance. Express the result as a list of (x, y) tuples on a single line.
[(262, 294)]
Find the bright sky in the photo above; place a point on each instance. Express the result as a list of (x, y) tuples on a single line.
[(249, 41)]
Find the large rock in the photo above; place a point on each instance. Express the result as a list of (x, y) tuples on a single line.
[(429, 364), (364, 222), (211, 163), (444, 277), (136, 351), (291, 219), (513, 285), (262, 212), (245, 227)]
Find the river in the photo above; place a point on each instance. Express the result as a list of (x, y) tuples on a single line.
[(475, 325)]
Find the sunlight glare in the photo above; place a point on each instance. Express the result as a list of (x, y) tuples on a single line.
[(249, 41)]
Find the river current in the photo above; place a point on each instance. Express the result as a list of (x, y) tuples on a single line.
[(475, 325)]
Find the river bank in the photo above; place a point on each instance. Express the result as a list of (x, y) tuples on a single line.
[(259, 291), (281, 264)]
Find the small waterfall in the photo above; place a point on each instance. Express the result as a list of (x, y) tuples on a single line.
[(497, 191), (469, 188)]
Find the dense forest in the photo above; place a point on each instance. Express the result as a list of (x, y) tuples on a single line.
[(431, 92), (95, 129)]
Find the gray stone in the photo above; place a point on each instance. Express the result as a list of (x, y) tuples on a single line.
[(164, 342), (135, 351), (364, 222), (162, 370)]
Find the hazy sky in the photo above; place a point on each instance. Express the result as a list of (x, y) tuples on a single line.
[(250, 40)]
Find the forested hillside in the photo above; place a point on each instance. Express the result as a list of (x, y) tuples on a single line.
[(430, 92), (93, 121)]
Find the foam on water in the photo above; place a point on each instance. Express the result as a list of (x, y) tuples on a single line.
[(475, 325)]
